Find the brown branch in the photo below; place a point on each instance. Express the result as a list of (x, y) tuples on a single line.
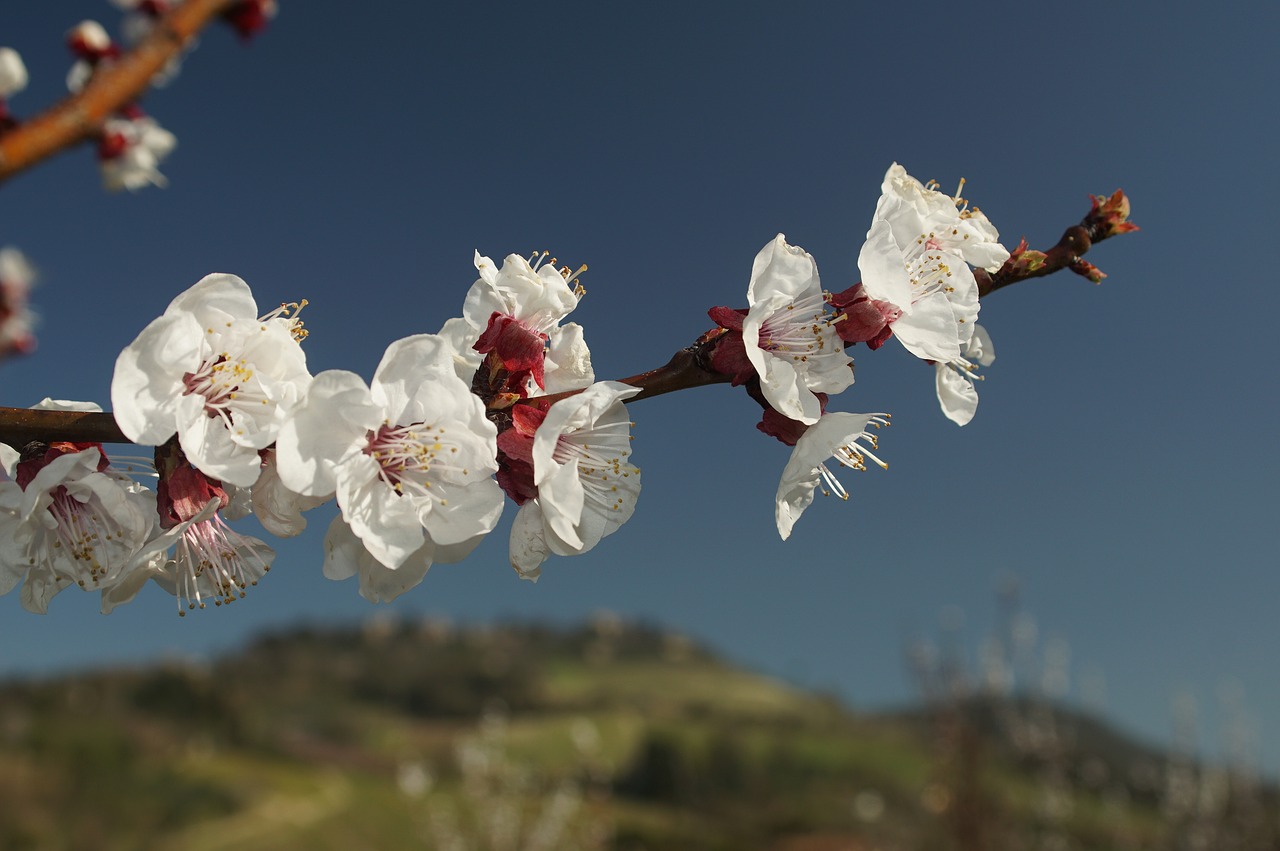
[(688, 368), (112, 87), (20, 426), (1109, 217)]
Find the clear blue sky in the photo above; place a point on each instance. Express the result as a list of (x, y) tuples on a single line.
[(1123, 461)]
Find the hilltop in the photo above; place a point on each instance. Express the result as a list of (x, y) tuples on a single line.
[(603, 736)]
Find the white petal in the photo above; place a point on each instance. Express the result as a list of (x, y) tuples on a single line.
[(929, 331), (215, 300), (346, 556), (956, 395), (331, 423), (882, 266), (47, 404), (529, 542), (406, 366), (148, 377), (13, 72), (462, 513), (384, 521), (980, 348), (568, 362), (209, 447), (802, 474)]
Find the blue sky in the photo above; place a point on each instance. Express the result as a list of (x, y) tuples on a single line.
[(1123, 459)]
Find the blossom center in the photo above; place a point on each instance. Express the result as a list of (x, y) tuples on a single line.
[(213, 561), (225, 384), (929, 267), (83, 539), (854, 453), (410, 456), (799, 330), (602, 454)]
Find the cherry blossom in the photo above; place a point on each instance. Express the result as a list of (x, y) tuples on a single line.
[(13, 75), (209, 562), (844, 437), (130, 151), (916, 258), (215, 373), (16, 319), (788, 336), (515, 314), (410, 456), (955, 379), (67, 519), (89, 43), (586, 486)]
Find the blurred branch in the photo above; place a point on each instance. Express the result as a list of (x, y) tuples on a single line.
[(111, 88)]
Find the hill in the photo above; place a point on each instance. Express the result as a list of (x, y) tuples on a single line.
[(604, 736)]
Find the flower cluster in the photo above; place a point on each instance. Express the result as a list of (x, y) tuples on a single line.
[(16, 319), (13, 79), (788, 346), (131, 144), (412, 457), (502, 401)]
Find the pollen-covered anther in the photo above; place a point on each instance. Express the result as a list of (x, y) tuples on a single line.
[(289, 311), (409, 456), (212, 561)]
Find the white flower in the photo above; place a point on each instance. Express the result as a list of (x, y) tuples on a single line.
[(90, 43), (533, 292), (212, 371), (210, 561), (516, 312), (89, 36), (916, 256), (567, 365), (843, 437), (13, 73), (955, 379), (16, 318), (410, 456), (586, 486), (130, 152), (789, 337), (73, 524)]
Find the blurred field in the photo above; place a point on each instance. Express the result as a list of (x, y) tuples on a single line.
[(606, 736)]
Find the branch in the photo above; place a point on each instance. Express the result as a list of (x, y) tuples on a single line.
[(111, 88), (1109, 217), (690, 367), (20, 426)]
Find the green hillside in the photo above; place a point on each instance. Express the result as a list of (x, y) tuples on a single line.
[(601, 737)]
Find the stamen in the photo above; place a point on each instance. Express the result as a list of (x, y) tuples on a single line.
[(289, 310)]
